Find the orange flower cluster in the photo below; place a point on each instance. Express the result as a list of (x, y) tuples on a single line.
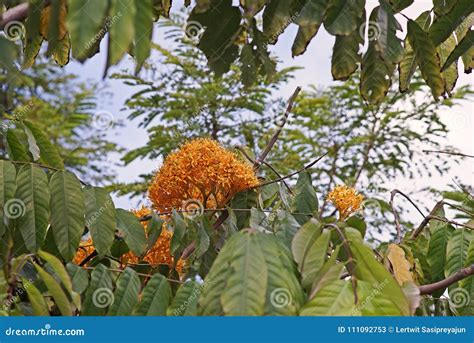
[(201, 170), (85, 249), (160, 253), (346, 199)]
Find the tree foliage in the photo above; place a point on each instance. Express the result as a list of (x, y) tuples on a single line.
[(226, 32)]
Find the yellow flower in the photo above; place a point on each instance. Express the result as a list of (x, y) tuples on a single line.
[(160, 253), (201, 170), (346, 199)]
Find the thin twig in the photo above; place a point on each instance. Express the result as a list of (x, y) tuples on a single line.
[(448, 153), (292, 174), (396, 217), (433, 287), (265, 163), (263, 155), (140, 274)]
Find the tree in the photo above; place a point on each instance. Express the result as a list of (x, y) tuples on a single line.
[(434, 41), (65, 110), (185, 100)]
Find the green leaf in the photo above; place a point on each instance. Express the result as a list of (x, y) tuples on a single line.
[(7, 191), (309, 20), (62, 51), (443, 26), (249, 66), (244, 199), (154, 228), (49, 155), (427, 58), (100, 218), (442, 7), (252, 7), (285, 227), (436, 255), (143, 31), (330, 272), (314, 259), (58, 269), (85, 19), (155, 298), (388, 44), (179, 230), (121, 34), (399, 5), (345, 55), (306, 200), (277, 15), (375, 76), (334, 299), (126, 293), (32, 146), (463, 46), (99, 293), (186, 299), (67, 212), (465, 305), (79, 277), (407, 65), (246, 286), (368, 269), (54, 288), (342, 16), (132, 231), (33, 40), (32, 199), (457, 250), (218, 40), (304, 239), (36, 299), (16, 150), (449, 75)]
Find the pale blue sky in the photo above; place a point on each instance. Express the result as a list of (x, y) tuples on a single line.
[(316, 63)]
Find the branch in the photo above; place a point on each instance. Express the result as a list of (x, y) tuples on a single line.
[(448, 153), (433, 287), (261, 158), (292, 174), (17, 13)]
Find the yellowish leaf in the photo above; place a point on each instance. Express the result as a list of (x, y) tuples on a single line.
[(400, 265)]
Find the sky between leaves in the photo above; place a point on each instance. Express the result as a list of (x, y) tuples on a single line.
[(317, 70)]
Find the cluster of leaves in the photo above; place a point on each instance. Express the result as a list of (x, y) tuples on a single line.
[(434, 42), (269, 253)]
